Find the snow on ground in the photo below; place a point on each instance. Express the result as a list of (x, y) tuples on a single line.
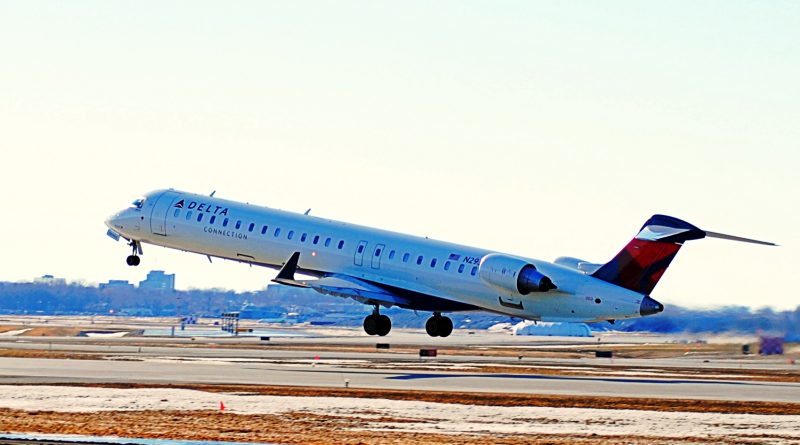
[(415, 416), (13, 333), (107, 334)]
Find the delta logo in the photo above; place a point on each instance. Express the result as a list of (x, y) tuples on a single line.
[(201, 207)]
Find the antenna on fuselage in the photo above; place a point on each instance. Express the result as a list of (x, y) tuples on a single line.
[(307, 212), (212, 193)]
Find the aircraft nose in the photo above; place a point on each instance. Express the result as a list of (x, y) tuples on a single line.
[(650, 306), (113, 221)]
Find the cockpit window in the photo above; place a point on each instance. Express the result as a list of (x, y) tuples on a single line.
[(138, 203)]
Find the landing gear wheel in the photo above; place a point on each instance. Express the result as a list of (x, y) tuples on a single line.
[(377, 324), (439, 326), (445, 325), (371, 324), (432, 327), (133, 259), (384, 325)]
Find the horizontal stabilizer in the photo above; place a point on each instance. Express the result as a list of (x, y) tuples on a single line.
[(737, 238)]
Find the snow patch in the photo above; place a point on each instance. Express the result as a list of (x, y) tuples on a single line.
[(431, 417)]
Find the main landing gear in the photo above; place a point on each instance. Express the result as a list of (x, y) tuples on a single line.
[(436, 326), (439, 326), (133, 259), (377, 324)]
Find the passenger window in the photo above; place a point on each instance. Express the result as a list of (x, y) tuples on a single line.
[(316, 239), (251, 227), (419, 260), (238, 224), (303, 237), (327, 242), (360, 248), (447, 265), (188, 215), (277, 232), (433, 262), (405, 257), (290, 235), (377, 252), (199, 217), (474, 270), (225, 222), (177, 213), (213, 218), (341, 244), (391, 254), (460, 268), (264, 229)]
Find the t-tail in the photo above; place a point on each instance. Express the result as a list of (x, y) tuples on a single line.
[(645, 258)]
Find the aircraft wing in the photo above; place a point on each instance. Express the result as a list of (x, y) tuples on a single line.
[(346, 286), (339, 285)]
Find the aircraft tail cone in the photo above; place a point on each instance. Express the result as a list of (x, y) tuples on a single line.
[(650, 306)]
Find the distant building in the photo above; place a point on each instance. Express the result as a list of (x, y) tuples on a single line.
[(158, 280), (116, 284), (51, 280)]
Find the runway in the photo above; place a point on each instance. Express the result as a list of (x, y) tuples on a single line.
[(328, 374), (481, 385)]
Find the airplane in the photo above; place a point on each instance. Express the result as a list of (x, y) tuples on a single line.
[(385, 269)]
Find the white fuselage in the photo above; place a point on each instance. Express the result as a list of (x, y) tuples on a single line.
[(264, 236)]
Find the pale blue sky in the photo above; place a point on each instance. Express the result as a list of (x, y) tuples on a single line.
[(536, 128)]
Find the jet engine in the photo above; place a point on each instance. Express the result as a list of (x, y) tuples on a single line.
[(513, 274)]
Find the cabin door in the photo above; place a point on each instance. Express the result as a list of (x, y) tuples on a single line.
[(376, 256), (161, 208), (358, 258)]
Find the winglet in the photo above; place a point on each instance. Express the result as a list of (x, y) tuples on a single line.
[(286, 274)]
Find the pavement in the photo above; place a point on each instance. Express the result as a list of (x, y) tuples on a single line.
[(311, 358), (329, 374)]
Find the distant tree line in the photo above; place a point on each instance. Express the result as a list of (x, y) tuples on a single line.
[(75, 299), (676, 319)]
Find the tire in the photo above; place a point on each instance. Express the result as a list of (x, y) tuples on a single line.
[(384, 325), (432, 326), (371, 325), (130, 260), (445, 326)]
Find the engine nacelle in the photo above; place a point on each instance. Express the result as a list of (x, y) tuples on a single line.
[(513, 274)]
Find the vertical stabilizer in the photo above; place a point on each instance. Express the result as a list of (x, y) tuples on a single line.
[(645, 258)]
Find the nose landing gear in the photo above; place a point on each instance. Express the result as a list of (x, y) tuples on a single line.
[(439, 326), (133, 259), (377, 324)]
